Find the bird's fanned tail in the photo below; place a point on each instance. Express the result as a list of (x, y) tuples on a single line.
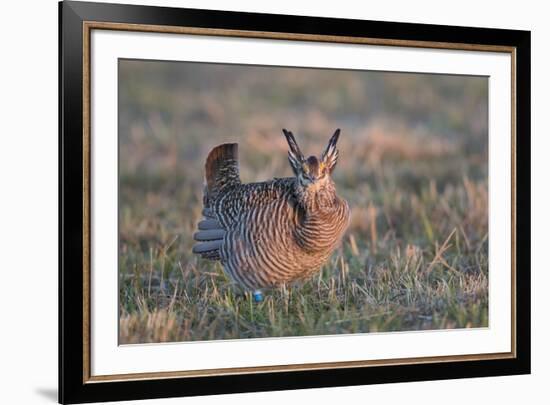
[(221, 171)]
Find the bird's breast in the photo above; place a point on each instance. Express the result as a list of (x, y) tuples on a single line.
[(320, 230)]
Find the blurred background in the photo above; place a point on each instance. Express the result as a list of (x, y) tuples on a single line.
[(413, 166)]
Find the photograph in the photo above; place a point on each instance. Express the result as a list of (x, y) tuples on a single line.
[(254, 202), (263, 201), (272, 203)]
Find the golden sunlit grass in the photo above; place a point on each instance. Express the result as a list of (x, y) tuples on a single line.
[(413, 169)]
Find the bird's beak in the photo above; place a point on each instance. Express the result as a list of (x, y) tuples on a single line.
[(309, 176)]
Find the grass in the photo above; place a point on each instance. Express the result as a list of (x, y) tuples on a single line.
[(413, 166)]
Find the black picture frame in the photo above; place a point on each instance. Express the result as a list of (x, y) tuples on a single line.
[(73, 387)]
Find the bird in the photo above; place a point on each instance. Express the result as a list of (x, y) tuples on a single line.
[(276, 232)]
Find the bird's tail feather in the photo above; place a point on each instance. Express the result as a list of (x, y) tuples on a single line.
[(221, 171), (222, 168)]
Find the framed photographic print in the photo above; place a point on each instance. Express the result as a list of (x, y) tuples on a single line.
[(256, 202)]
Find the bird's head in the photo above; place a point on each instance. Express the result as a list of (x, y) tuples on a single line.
[(312, 171)]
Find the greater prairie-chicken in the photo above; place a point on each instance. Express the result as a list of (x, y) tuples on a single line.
[(275, 232)]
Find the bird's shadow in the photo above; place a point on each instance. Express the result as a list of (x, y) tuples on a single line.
[(48, 393)]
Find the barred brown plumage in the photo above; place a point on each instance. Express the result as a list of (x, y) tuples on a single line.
[(275, 232)]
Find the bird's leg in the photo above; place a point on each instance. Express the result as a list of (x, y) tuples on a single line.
[(258, 296)]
